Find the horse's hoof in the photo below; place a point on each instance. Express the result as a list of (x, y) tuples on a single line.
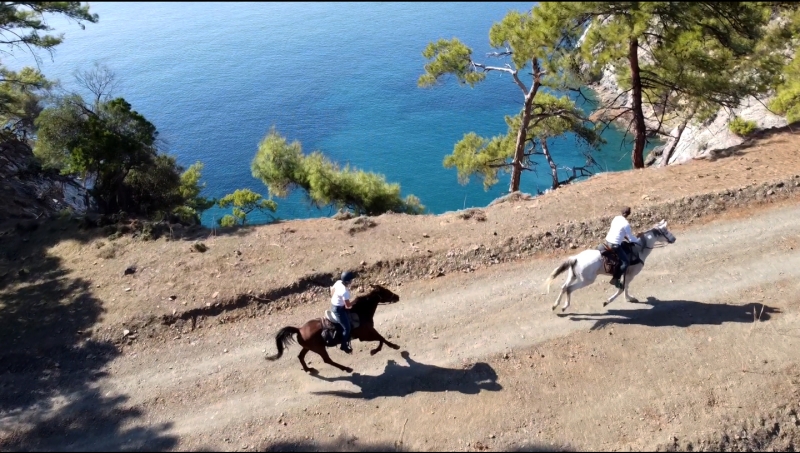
[(605, 303), (394, 346), (312, 371), (633, 300), (373, 352), (553, 307), (348, 369)]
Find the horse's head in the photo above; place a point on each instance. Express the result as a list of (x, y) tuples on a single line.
[(366, 304), (382, 295), (662, 234)]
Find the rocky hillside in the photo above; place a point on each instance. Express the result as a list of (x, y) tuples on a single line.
[(26, 192), (697, 140)]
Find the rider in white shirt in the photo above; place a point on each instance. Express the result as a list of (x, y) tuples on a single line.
[(340, 301), (619, 231)]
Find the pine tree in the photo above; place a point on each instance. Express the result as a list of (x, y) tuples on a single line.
[(537, 41)]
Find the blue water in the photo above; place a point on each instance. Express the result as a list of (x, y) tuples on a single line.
[(338, 77)]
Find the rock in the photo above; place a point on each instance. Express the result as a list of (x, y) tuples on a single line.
[(130, 270), (425, 235), (215, 295), (126, 332), (127, 289)]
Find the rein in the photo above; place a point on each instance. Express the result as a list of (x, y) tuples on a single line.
[(657, 245)]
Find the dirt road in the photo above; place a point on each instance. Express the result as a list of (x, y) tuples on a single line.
[(487, 365)]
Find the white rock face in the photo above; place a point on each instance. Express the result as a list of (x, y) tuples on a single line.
[(698, 140)]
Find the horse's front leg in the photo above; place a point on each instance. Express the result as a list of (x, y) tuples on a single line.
[(370, 334), (317, 344), (628, 279), (327, 359), (613, 296), (628, 297)]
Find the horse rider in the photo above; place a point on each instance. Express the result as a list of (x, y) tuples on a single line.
[(340, 300), (619, 231)]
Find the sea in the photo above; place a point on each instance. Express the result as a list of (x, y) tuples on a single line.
[(340, 78)]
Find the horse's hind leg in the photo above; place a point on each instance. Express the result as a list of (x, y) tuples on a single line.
[(327, 359), (558, 299), (302, 357), (566, 289), (568, 292)]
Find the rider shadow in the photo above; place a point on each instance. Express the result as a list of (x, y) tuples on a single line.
[(401, 381), (679, 313)]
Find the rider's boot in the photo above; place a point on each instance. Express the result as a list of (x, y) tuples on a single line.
[(615, 279)]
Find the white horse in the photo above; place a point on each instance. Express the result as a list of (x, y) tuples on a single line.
[(586, 266)]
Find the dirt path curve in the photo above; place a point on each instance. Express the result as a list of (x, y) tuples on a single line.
[(484, 364)]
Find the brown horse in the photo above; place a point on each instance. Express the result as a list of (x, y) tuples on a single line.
[(309, 335)]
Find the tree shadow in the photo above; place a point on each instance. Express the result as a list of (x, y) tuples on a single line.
[(678, 313), (740, 149), (401, 381), (50, 362)]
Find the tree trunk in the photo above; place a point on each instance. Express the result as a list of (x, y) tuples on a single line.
[(519, 150), (668, 152), (553, 169), (640, 134)]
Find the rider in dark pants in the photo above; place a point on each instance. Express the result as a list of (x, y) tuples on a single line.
[(340, 301), (619, 231)]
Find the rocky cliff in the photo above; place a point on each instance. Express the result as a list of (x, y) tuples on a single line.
[(697, 140), (27, 192)]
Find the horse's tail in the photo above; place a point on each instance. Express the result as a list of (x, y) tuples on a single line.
[(283, 339), (567, 264)]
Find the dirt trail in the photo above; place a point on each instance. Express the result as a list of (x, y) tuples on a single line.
[(488, 364)]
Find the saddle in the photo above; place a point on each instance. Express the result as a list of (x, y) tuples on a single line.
[(611, 261), (332, 330)]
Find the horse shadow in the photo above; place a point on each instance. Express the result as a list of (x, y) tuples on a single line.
[(397, 380), (678, 313), (353, 444)]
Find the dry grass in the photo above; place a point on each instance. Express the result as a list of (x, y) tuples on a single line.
[(258, 260)]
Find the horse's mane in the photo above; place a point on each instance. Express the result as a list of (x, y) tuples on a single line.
[(368, 297), (368, 303), (640, 236)]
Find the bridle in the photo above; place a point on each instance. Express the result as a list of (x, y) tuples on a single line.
[(656, 232)]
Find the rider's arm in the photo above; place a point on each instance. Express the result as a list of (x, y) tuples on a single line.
[(629, 234), (346, 296)]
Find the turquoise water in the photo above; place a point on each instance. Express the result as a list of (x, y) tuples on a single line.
[(338, 77)]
